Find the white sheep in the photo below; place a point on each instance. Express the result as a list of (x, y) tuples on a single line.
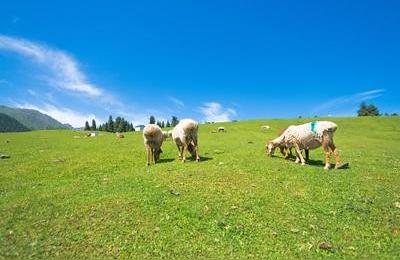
[(185, 137), (265, 127), (169, 133), (165, 134), (153, 138), (309, 136)]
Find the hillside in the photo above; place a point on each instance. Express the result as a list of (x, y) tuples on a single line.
[(67, 196), (9, 124), (32, 119)]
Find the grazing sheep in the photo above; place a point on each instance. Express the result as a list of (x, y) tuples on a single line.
[(309, 136), (286, 149), (119, 135), (185, 137), (153, 138), (221, 129), (165, 134), (265, 127)]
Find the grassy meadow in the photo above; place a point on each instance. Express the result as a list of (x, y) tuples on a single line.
[(63, 195)]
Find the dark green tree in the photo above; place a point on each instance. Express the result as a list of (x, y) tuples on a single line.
[(110, 125), (368, 110), (87, 127), (152, 120), (168, 124), (118, 124), (93, 127), (174, 121)]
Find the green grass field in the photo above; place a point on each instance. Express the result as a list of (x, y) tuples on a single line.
[(69, 197)]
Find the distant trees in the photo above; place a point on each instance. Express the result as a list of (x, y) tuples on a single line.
[(174, 121), (110, 125), (87, 127), (152, 120), (120, 125), (368, 110), (163, 124), (93, 127)]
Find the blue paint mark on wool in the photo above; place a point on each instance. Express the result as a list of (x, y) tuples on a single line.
[(313, 127)]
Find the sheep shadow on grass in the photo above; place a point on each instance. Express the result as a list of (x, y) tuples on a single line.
[(308, 162), (202, 159), (165, 160)]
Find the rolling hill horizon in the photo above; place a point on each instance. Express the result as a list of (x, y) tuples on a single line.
[(28, 118)]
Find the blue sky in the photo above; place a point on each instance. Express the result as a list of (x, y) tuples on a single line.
[(209, 60)]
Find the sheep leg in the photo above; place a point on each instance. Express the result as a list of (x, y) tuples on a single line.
[(153, 154), (196, 147), (283, 151), (325, 146), (147, 155), (299, 154), (335, 153), (179, 151), (307, 155), (184, 150)]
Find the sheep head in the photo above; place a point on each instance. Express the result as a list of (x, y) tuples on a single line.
[(192, 150), (157, 153), (270, 148)]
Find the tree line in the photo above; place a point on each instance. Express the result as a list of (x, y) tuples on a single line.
[(162, 124), (119, 125), (371, 110)]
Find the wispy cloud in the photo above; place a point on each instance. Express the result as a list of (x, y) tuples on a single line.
[(65, 71), (331, 105), (62, 114), (214, 112), (178, 103), (62, 71)]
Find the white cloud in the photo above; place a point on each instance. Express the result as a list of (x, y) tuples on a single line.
[(354, 99), (177, 102), (62, 114), (214, 112), (65, 72), (62, 71)]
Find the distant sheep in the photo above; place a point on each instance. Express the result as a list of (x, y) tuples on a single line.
[(309, 136), (265, 127), (153, 138), (185, 136), (165, 134), (221, 129), (119, 135)]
